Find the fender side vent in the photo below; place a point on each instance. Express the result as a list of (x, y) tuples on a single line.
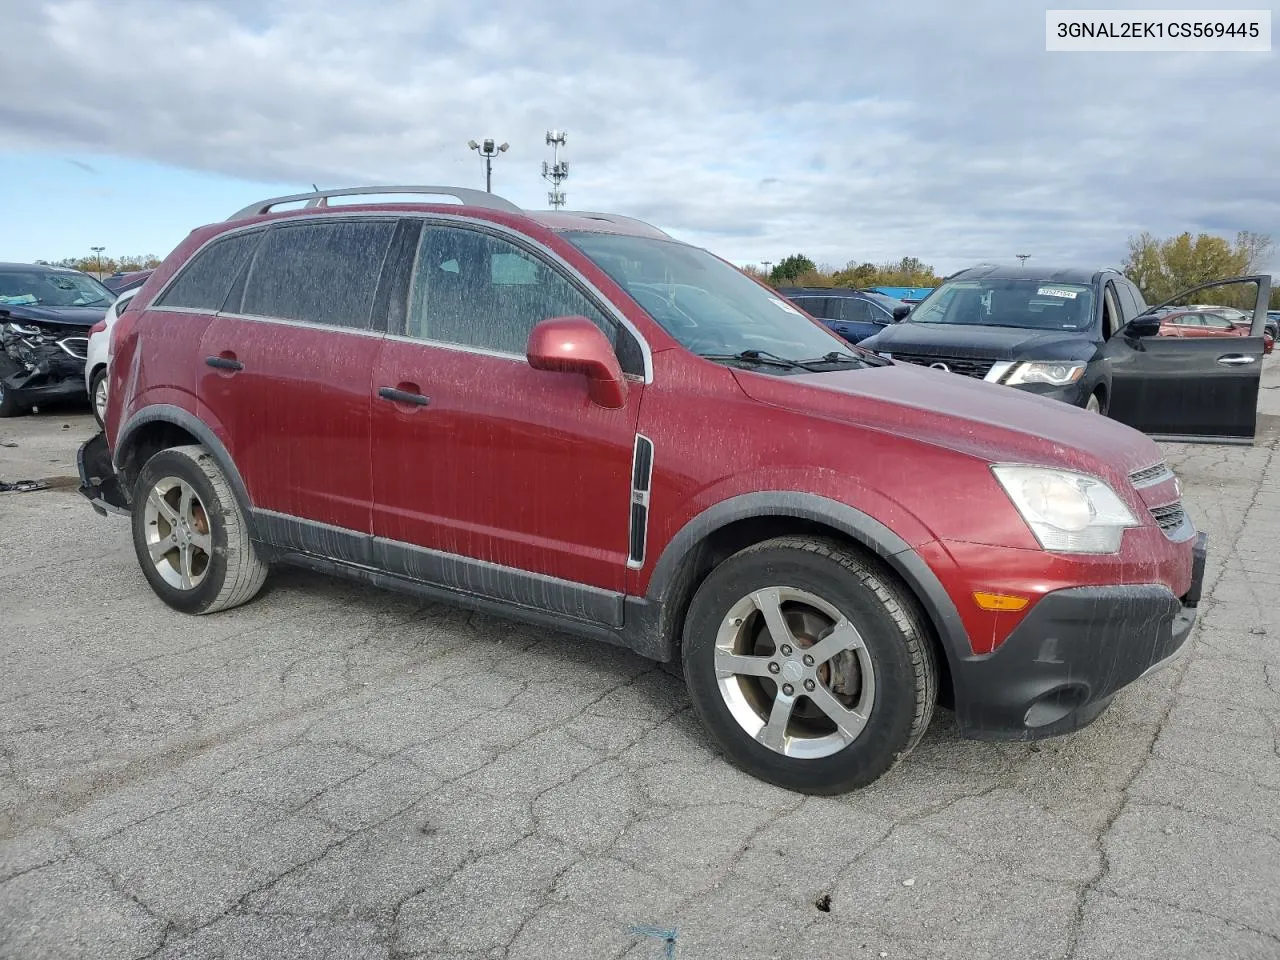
[(641, 479)]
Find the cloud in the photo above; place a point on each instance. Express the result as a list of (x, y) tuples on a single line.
[(81, 165), (934, 129)]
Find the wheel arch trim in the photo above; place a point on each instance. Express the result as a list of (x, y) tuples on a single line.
[(899, 555), (178, 417)]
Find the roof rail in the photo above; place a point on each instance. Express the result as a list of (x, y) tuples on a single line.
[(320, 198)]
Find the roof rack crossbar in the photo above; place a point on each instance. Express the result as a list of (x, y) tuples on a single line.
[(320, 198)]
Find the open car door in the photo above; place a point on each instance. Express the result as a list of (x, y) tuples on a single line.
[(1198, 389)]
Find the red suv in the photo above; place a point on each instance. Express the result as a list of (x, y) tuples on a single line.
[(575, 419)]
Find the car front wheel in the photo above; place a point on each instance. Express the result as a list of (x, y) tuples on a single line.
[(190, 534), (808, 665)]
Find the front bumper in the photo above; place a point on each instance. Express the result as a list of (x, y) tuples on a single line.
[(1061, 665), (99, 483), (1076, 394), (35, 389)]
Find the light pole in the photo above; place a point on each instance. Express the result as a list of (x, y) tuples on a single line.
[(1023, 257), (488, 151), (767, 265), (97, 251)]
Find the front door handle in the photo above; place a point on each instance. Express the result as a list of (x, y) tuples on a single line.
[(403, 396), (224, 363), (1236, 360)]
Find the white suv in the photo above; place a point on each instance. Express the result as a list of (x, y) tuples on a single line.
[(98, 360)]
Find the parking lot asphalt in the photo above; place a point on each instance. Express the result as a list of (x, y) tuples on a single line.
[(337, 772)]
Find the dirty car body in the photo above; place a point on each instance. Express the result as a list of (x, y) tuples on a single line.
[(574, 419), (45, 317)]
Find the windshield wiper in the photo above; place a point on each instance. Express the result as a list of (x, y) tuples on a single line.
[(835, 356), (754, 356)]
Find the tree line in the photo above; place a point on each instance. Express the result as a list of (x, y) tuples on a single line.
[(1160, 268), (110, 265), (1164, 268), (798, 270)]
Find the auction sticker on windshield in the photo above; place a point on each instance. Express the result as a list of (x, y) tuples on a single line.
[(1056, 292)]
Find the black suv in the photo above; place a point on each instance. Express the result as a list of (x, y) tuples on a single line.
[(1088, 338)]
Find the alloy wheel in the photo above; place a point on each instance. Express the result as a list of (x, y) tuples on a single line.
[(794, 672), (177, 533), (100, 398)]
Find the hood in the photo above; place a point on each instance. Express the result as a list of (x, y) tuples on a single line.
[(984, 420), (68, 316), (987, 343)]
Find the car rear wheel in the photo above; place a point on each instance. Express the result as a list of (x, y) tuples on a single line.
[(808, 665), (98, 394), (190, 535)]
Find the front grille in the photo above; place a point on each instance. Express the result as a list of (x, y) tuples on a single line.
[(965, 366), (1150, 476), (1171, 518)]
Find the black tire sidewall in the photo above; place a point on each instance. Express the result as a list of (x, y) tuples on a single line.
[(167, 463), (889, 727), (10, 406)]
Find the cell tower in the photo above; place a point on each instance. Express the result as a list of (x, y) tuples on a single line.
[(557, 171)]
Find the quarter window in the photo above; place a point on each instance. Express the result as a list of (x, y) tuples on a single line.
[(319, 272), (205, 280)]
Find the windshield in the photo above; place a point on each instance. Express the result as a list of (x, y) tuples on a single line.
[(708, 305), (1032, 304), (52, 288)]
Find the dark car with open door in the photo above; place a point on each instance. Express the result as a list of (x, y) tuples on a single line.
[(1087, 337)]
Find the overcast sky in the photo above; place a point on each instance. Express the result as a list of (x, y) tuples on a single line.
[(847, 131)]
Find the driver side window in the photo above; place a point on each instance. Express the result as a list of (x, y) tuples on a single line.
[(477, 290)]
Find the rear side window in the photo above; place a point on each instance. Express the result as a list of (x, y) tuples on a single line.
[(319, 272), (203, 283)]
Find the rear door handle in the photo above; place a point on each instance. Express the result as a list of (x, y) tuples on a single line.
[(1236, 360), (224, 363), (403, 396)]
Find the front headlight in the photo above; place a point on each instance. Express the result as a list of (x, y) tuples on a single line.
[(1068, 512), (1056, 374)]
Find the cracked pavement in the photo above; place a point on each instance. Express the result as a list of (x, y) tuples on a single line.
[(336, 772)]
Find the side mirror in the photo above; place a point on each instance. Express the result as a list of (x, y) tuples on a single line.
[(1144, 325), (576, 345), (900, 312)]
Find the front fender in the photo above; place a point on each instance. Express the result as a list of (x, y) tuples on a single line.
[(900, 555)]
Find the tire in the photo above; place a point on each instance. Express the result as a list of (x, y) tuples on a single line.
[(9, 405), (1095, 404), (826, 594), (211, 564), (98, 382)]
